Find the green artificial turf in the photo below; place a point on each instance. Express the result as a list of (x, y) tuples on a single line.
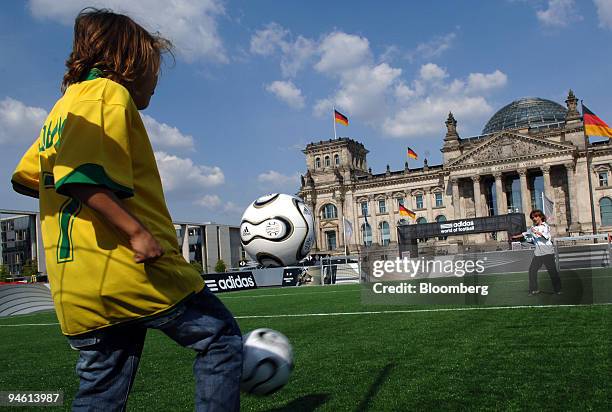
[(532, 358)]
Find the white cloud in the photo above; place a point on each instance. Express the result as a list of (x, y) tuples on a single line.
[(376, 94), (190, 24), (294, 54), (323, 106), (426, 116), (390, 53), (481, 81), (363, 92), (272, 178), (166, 136), (297, 56), (215, 203), (182, 175), (18, 122), (604, 12), (433, 48), (379, 96), (209, 201), (432, 72), (287, 92), (233, 208), (403, 92), (341, 51), (559, 13), (267, 41), (423, 111)]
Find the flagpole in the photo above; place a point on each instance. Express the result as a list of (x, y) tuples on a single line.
[(588, 162), (334, 120)]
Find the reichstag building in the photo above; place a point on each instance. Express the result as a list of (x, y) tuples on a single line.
[(529, 147)]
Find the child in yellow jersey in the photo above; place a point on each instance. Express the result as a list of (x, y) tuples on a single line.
[(112, 255)]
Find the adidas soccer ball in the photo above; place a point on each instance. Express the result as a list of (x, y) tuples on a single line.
[(277, 230), (267, 361)]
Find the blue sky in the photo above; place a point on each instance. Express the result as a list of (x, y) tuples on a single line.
[(254, 81)]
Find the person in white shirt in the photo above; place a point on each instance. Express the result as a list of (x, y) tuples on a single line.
[(544, 254)]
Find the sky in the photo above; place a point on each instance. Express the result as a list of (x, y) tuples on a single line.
[(253, 82)]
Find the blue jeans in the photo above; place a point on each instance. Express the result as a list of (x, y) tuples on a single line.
[(109, 358)]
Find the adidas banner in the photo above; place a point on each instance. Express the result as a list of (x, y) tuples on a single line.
[(229, 281)]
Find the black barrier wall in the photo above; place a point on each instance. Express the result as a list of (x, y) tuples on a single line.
[(512, 223)]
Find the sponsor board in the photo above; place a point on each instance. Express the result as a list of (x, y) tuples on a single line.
[(290, 276), (457, 226), (229, 281)]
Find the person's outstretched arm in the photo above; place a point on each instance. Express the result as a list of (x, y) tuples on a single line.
[(107, 204), (544, 231)]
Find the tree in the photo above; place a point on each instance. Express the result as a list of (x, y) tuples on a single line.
[(4, 273), (220, 266), (29, 268)]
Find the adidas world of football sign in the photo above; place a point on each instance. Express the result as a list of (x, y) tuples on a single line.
[(229, 281)]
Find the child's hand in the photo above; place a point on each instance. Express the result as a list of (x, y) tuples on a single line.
[(536, 232), (146, 248)]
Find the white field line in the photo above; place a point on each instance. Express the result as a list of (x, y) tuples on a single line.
[(381, 312), (297, 315)]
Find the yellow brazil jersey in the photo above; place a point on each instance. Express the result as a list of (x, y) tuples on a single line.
[(94, 135)]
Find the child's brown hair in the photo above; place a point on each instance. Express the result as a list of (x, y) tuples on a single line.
[(537, 212), (115, 44)]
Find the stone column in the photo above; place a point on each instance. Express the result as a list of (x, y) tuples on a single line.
[(317, 220), (481, 237), (373, 219), (525, 195), (570, 169), (456, 207), (502, 208), (477, 197), (340, 240), (548, 192), (393, 218), (429, 203), (356, 239)]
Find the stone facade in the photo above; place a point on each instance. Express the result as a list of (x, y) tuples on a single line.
[(480, 176)]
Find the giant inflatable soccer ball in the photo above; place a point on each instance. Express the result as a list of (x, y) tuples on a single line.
[(277, 230)]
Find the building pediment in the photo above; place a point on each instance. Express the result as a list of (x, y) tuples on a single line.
[(510, 147), (329, 224)]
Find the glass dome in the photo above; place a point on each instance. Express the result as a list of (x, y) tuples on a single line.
[(525, 112)]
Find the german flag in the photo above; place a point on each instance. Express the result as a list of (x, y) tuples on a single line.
[(340, 118), (593, 125), (412, 154), (406, 212)]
